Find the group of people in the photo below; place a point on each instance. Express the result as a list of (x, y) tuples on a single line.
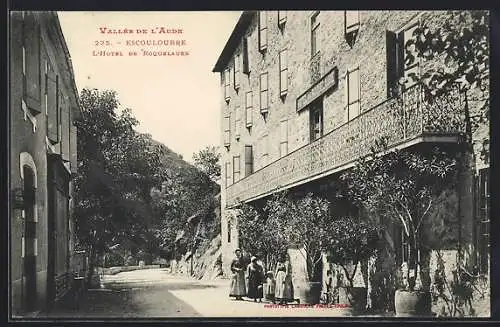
[(279, 287)]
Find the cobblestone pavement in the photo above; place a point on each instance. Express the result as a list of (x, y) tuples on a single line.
[(157, 293)]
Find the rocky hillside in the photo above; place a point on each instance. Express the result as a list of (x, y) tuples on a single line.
[(206, 261)]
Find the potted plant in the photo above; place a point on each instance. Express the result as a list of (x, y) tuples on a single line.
[(351, 242), (405, 186), (303, 224)]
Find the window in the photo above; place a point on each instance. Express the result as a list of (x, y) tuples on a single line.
[(397, 65), (351, 26), (281, 18), (229, 231), (236, 169), (283, 72), (31, 63), (246, 64), (237, 122), (411, 68), (262, 31), (227, 131), (52, 89), (352, 93), (283, 138), (405, 246), (314, 34), (236, 70), (227, 84), (29, 246), (316, 120), (483, 223), (248, 109), (263, 93), (248, 160), (228, 173)]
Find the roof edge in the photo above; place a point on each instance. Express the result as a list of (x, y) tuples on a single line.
[(231, 44)]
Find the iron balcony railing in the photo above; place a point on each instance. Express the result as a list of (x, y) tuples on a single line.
[(405, 119)]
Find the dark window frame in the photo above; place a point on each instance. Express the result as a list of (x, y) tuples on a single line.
[(316, 108), (314, 34)]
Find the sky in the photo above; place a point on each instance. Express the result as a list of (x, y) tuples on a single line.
[(175, 98)]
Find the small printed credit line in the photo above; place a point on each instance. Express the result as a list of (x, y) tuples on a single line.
[(315, 306)]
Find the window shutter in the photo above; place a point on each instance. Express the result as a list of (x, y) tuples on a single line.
[(65, 125), (31, 31), (248, 160), (52, 90), (246, 64), (73, 149), (228, 173), (400, 42), (392, 65)]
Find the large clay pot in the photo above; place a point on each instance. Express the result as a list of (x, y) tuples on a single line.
[(308, 292), (353, 299), (414, 303)]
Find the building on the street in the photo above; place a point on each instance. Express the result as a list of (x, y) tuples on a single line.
[(43, 160), (306, 93)]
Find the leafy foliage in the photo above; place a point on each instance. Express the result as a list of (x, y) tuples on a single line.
[(351, 241), (117, 188), (208, 161), (457, 293), (303, 223), (252, 231), (115, 172), (404, 186), (462, 43)]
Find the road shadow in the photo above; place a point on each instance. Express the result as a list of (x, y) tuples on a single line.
[(141, 285), (128, 300)]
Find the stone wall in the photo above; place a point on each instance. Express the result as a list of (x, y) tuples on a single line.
[(206, 263)]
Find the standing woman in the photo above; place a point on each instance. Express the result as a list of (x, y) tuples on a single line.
[(238, 280), (255, 275), (284, 287)]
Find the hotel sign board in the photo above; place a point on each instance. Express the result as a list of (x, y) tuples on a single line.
[(326, 82)]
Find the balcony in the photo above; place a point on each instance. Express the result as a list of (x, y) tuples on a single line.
[(404, 120)]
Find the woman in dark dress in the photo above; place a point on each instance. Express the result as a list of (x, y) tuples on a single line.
[(255, 276), (238, 279)]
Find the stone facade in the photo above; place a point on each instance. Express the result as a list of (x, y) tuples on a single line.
[(366, 51), (43, 105)]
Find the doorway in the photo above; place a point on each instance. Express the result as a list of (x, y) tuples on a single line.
[(30, 224)]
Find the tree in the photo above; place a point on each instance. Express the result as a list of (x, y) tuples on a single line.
[(351, 241), (116, 172), (208, 161), (462, 45), (404, 186), (304, 223)]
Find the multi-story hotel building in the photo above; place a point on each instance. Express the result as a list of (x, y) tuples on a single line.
[(304, 94), (43, 160)]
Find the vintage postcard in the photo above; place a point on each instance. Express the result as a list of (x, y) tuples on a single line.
[(249, 164)]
